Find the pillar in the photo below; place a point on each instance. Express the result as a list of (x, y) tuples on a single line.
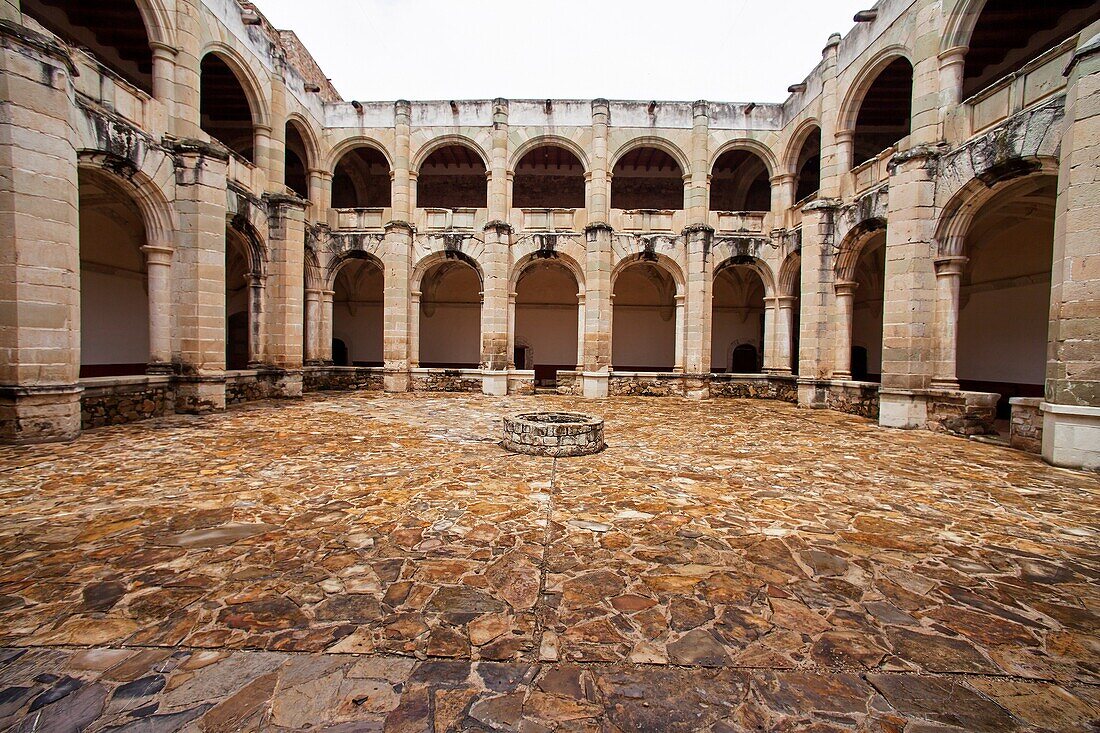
[(784, 333), (275, 165), (845, 153), (599, 184), (494, 308), (700, 283), (948, 275), (952, 64), (158, 269), (678, 365), (414, 329), (908, 311), (842, 354), (815, 352), (285, 291), (198, 283), (262, 150), (1071, 407), (325, 331), (313, 327), (782, 197), (320, 193), (401, 193), (257, 317), (696, 202), (164, 79), (597, 310), (39, 242), (498, 163), (397, 315), (830, 163)]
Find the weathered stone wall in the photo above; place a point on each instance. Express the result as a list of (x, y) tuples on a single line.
[(569, 383), (962, 413), (341, 378), (446, 380), (641, 384), (114, 401), (855, 398), (1025, 430), (766, 388), (246, 387)]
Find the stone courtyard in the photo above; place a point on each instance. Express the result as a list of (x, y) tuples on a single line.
[(365, 561)]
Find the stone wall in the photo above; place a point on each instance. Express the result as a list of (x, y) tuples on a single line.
[(962, 413), (341, 378), (1025, 430), (754, 387), (118, 400), (644, 384), (855, 398), (446, 380), (569, 383), (246, 386)]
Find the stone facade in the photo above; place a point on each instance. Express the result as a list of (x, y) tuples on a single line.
[(200, 199)]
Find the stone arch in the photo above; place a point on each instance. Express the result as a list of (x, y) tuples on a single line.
[(156, 212), (246, 77), (314, 275), (750, 145), (789, 273), (539, 141), (968, 199), (255, 249), (851, 247), (529, 252), (663, 261), (652, 141), (309, 137), (861, 84), (443, 141), (757, 265), (427, 262), (346, 145), (960, 24), (337, 262), (795, 143)]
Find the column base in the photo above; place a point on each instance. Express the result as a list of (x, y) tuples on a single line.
[(286, 384), (494, 382), (396, 380), (899, 408), (697, 386), (1071, 436), (812, 393), (39, 414), (196, 395), (595, 385)]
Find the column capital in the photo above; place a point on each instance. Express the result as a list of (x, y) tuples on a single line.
[(163, 50), (158, 254), (845, 287), (953, 55), (845, 136), (786, 301), (950, 266)]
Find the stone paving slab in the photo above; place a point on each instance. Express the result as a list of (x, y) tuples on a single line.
[(360, 561)]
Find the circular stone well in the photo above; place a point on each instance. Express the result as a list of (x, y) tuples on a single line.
[(554, 434)]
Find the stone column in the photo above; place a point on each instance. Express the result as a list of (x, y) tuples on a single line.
[(700, 282), (414, 329), (257, 315), (164, 79), (784, 333), (948, 274), (597, 310), (678, 365), (696, 203), (580, 331), (952, 64), (397, 314), (599, 187), (498, 163), (842, 354), (325, 331), (275, 165), (770, 345), (845, 152), (830, 165), (285, 292), (198, 282), (262, 152), (401, 194), (512, 294), (190, 35), (158, 276), (313, 327), (320, 188), (1071, 410), (782, 198), (39, 242), (909, 304), (494, 309), (815, 350)]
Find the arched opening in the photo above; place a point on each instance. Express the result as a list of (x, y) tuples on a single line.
[(740, 182), (361, 180), (296, 161), (357, 313), (224, 111), (643, 319), (548, 177), (546, 320), (113, 32), (452, 177), (1010, 33), (885, 112), (1004, 293), (867, 304), (647, 178), (737, 319), (114, 303), (450, 316), (808, 166), (796, 320), (238, 283)]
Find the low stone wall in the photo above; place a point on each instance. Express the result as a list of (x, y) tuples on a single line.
[(569, 383), (320, 378), (246, 386), (1025, 430), (854, 398), (646, 384), (446, 380), (119, 400), (754, 386), (521, 382), (961, 413)]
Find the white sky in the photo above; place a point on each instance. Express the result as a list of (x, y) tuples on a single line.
[(721, 50)]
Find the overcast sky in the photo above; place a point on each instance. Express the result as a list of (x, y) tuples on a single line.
[(721, 50)]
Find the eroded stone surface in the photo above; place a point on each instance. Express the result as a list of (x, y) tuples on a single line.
[(368, 562)]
